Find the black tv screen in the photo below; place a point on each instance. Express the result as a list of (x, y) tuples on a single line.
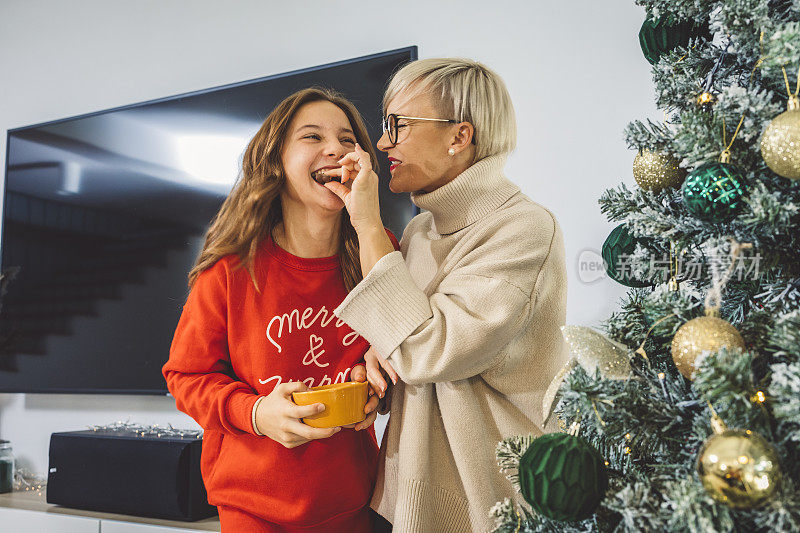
[(104, 215)]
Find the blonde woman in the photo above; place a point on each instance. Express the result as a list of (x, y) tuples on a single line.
[(258, 325), (468, 312)]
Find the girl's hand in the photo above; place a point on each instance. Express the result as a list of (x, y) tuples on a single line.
[(376, 366), (278, 417), (359, 374), (360, 197)]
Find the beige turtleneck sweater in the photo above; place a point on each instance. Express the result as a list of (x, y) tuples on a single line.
[(469, 314)]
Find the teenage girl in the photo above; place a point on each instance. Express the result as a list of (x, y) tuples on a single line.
[(258, 325)]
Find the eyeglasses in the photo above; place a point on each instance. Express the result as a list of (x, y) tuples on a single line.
[(391, 126)]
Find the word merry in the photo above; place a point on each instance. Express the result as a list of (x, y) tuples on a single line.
[(300, 322), (341, 377)]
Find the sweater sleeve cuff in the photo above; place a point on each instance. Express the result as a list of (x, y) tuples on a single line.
[(240, 410), (387, 306)]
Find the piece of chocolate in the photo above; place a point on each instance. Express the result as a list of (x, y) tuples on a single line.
[(322, 178)]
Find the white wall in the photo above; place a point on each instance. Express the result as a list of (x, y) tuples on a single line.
[(573, 68)]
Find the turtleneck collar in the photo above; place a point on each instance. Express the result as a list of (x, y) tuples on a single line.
[(474, 193)]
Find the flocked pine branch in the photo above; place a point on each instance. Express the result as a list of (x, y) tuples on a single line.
[(650, 427)]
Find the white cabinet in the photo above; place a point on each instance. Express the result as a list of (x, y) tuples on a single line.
[(29, 512), (112, 526), (20, 521)]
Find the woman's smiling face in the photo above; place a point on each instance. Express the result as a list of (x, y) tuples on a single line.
[(419, 161), (317, 137)]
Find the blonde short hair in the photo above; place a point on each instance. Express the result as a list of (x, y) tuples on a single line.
[(464, 90)]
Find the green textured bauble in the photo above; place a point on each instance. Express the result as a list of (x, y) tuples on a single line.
[(617, 246), (562, 477), (713, 192), (657, 37)]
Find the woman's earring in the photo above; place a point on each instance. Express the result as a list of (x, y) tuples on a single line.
[(452, 151)]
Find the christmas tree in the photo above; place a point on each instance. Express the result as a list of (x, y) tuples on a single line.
[(684, 414)]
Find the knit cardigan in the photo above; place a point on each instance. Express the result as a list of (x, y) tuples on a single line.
[(468, 313)]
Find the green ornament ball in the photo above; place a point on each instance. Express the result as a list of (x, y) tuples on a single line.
[(657, 37), (616, 247), (714, 192), (562, 477)]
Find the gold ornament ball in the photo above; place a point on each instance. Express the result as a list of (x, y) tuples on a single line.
[(706, 333), (780, 144), (593, 350), (551, 394), (655, 171), (739, 468)]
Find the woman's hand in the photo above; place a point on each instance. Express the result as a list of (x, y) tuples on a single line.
[(359, 373), (376, 366), (361, 201), (361, 196), (278, 417)]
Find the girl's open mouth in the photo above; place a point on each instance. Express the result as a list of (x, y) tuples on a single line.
[(322, 178)]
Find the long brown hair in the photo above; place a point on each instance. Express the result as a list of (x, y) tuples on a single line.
[(253, 208)]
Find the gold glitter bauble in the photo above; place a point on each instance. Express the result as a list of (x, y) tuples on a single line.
[(780, 144), (655, 171), (706, 333), (592, 350), (739, 468), (550, 395)]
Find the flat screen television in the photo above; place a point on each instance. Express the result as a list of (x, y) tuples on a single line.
[(104, 215)]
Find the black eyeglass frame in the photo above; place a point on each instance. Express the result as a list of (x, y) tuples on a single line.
[(385, 125)]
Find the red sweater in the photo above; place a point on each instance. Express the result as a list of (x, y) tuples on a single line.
[(233, 344)]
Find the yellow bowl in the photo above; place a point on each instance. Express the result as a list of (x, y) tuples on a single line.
[(344, 403)]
